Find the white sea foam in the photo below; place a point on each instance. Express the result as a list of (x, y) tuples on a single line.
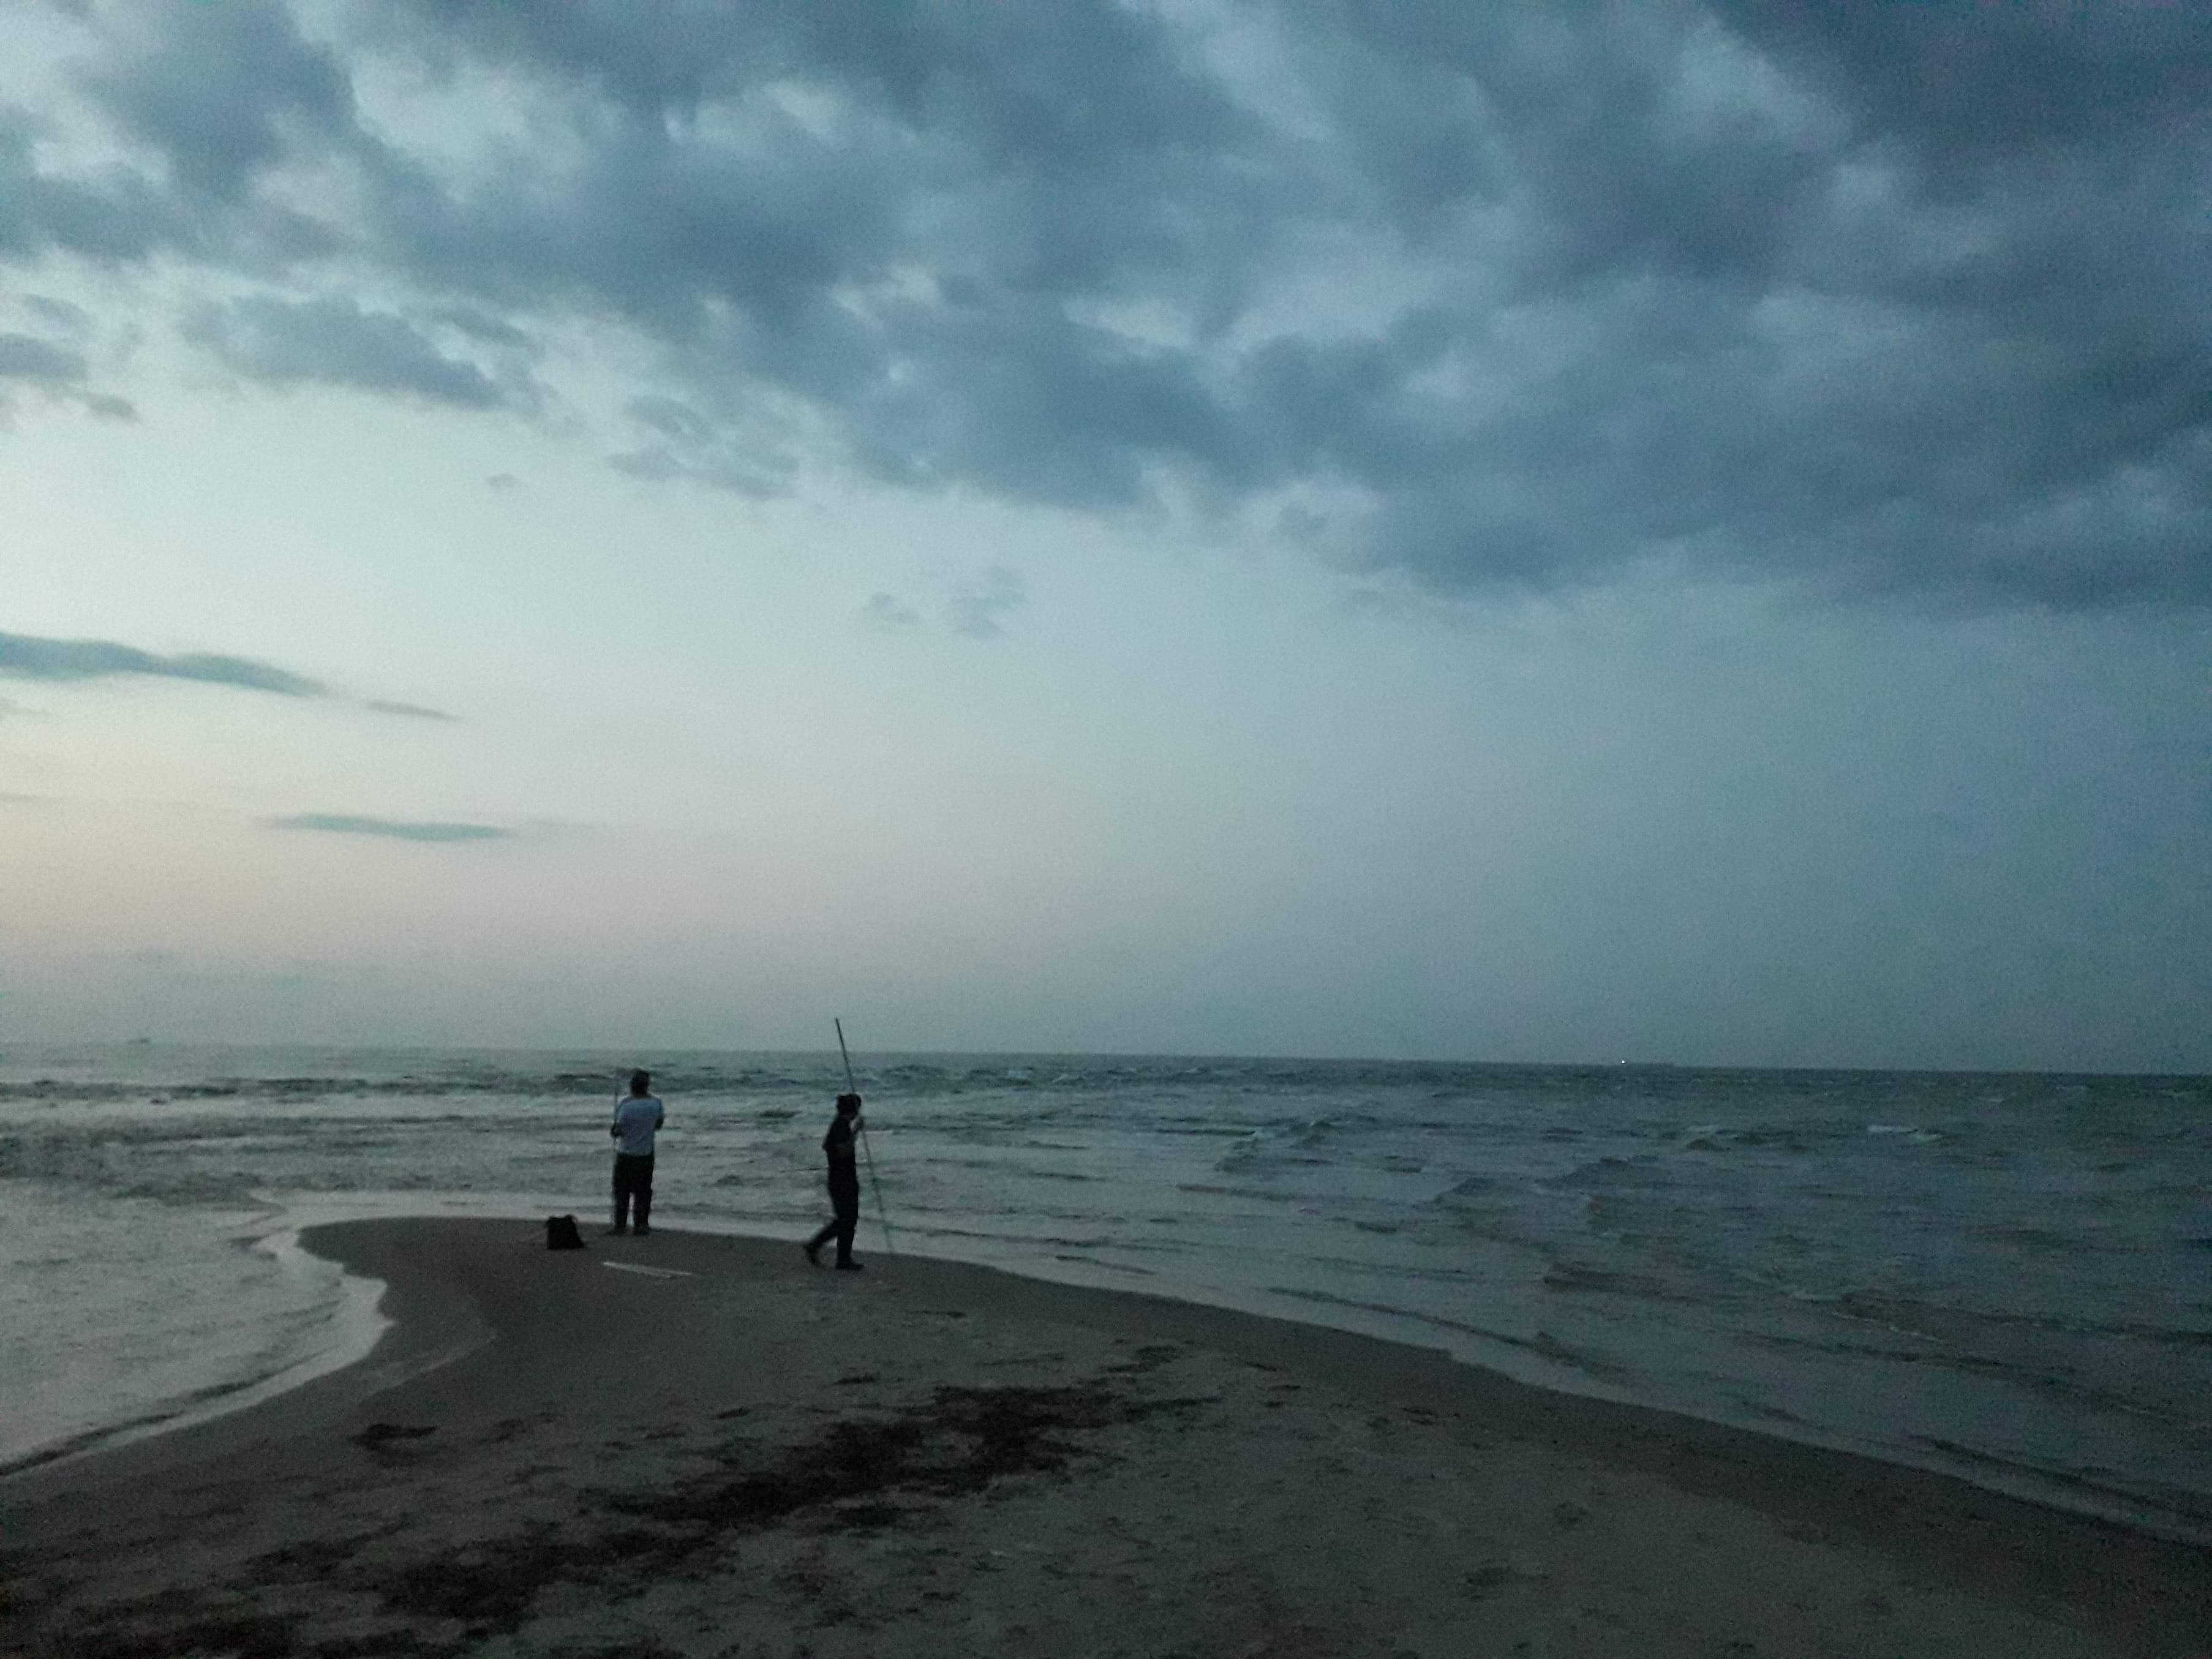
[(120, 1312)]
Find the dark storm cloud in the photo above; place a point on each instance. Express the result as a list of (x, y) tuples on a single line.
[(1972, 82), (23, 656), (346, 823), (1912, 300)]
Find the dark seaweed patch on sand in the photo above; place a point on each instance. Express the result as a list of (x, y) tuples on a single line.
[(958, 1441), (489, 1588), (312, 1557), (859, 1473), (382, 1436), (252, 1636)]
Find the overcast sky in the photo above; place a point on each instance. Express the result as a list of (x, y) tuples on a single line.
[(1662, 531)]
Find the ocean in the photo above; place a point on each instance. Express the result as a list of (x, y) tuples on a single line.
[(2000, 1276)]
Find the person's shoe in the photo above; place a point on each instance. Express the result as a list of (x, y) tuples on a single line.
[(617, 1230), (813, 1255), (849, 1266), (642, 1230)]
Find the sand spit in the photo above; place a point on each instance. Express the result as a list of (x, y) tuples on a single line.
[(737, 1456)]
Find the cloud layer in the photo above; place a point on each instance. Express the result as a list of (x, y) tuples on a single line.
[(413, 711), (344, 824), (57, 370), (1893, 300), (337, 343), (25, 657)]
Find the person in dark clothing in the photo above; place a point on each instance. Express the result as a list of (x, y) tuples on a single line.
[(637, 1117), (844, 1186)]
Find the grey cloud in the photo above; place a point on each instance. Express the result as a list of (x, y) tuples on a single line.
[(658, 464), (26, 657), (503, 481), (58, 313), (1891, 300), (346, 823), (680, 236), (888, 612), (1968, 82), (406, 710), (667, 416), (1819, 341), (1079, 86), (337, 343), (115, 215), (655, 463), (57, 371), (747, 453), (25, 358), (224, 89), (481, 326), (979, 609)]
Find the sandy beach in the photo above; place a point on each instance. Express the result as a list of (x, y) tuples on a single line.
[(696, 1445)]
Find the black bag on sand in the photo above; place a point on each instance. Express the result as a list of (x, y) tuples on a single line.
[(561, 1233)]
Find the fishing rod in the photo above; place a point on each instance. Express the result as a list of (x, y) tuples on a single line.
[(882, 1215)]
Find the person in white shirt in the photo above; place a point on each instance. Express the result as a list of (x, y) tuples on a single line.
[(637, 1114)]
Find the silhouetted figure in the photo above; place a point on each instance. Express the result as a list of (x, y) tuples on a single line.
[(637, 1114), (844, 1186)]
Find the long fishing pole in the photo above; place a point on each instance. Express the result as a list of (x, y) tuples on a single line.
[(882, 1215)]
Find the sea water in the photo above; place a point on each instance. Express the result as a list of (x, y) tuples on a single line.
[(2000, 1276)]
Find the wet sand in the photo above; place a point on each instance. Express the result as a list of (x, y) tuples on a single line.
[(692, 1444)]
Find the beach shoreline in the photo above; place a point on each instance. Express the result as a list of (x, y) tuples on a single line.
[(952, 1450)]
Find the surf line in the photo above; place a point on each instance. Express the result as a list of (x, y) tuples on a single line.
[(650, 1273)]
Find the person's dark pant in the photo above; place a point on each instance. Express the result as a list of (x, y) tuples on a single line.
[(634, 1182), (845, 1205)]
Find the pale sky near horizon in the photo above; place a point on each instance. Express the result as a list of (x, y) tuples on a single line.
[(1676, 532)]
